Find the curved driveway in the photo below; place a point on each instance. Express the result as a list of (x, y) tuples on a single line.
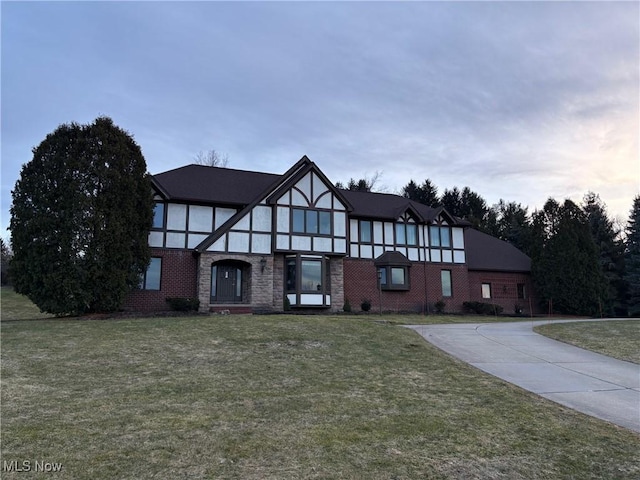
[(591, 383)]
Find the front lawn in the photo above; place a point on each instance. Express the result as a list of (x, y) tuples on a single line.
[(281, 397), (615, 338)]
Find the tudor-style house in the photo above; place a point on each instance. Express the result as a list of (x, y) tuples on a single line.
[(248, 241)]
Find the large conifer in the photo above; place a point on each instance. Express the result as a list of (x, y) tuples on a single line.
[(566, 267), (632, 259), (610, 252), (81, 213)]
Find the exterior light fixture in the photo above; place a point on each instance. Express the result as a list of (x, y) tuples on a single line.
[(263, 264)]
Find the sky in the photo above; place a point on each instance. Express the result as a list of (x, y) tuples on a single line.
[(520, 101)]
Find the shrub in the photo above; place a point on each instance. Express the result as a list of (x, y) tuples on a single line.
[(365, 305), (482, 308), (181, 304), (347, 306), (287, 304), (440, 306)]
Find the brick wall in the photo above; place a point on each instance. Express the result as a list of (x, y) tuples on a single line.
[(361, 282), (178, 279), (504, 290)]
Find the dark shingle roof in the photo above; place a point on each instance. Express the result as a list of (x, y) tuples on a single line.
[(386, 206), (202, 184), (208, 185), (484, 252)]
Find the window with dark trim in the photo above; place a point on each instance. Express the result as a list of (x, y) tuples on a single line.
[(394, 277), (158, 215), (393, 271), (445, 237), (406, 234), (445, 278), (311, 221), (307, 274), (522, 291), (151, 278), (440, 236), (365, 231)]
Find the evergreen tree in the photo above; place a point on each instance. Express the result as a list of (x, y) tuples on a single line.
[(610, 250), (566, 267), (81, 212), (5, 258), (452, 201), (473, 207), (427, 193), (632, 259), (509, 222)]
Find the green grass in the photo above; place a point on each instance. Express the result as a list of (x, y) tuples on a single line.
[(18, 307), (617, 338), (279, 397)]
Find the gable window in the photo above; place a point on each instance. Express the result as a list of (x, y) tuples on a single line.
[(365, 231), (445, 237), (486, 290), (406, 234), (434, 233), (445, 278), (151, 278), (440, 236), (311, 221), (158, 215)]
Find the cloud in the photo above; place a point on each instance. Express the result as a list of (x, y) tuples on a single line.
[(520, 100)]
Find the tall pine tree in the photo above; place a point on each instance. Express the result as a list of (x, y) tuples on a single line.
[(610, 249), (566, 267), (632, 259), (81, 213), (427, 193)]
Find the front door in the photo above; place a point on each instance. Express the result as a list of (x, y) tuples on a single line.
[(226, 284)]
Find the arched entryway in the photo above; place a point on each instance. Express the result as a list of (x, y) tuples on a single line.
[(229, 282)]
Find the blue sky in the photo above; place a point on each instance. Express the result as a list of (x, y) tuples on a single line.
[(517, 100)]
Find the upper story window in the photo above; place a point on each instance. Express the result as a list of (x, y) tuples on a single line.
[(158, 215), (365, 231), (406, 234), (311, 221), (440, 236)]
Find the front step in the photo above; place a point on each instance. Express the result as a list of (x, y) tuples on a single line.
[(231, 309)]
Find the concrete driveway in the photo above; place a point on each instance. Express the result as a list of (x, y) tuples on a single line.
[(591, 383)]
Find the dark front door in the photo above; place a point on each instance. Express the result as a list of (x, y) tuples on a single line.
[(226, 285)]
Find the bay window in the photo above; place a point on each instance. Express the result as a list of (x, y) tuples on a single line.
[(307, 280)]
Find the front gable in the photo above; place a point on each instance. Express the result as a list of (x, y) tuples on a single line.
[(311, 214), (303, 212)]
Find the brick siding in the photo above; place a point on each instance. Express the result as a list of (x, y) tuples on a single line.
[(184, 275), (361, 282), (177, 279), (504, 290)]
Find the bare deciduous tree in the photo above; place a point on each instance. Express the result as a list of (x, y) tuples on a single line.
[(212, 158)]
